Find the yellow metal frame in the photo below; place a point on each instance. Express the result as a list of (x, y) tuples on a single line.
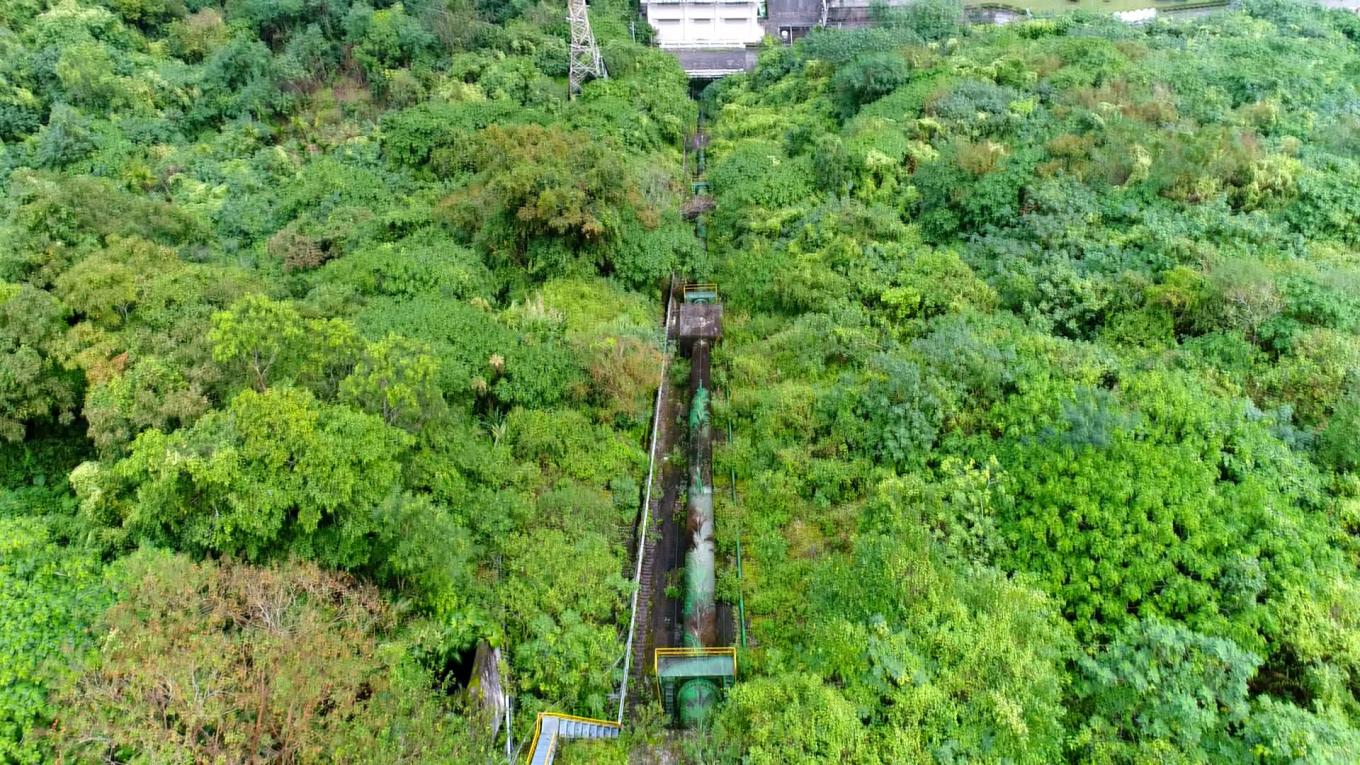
[(533, 742), (689, 652), (538, 728), (698, 287)]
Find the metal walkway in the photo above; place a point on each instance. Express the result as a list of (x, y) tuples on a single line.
[(552, 726), (646, 546)]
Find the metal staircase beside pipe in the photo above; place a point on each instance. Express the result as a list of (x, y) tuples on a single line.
[(552, 727)]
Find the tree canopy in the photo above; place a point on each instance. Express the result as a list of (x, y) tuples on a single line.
[(1040, 369), (333, 322), (329, 336)]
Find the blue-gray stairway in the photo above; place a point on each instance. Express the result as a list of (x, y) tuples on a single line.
[(552, 726)]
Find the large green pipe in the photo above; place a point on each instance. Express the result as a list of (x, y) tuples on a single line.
[(698, 697), (696, 701), (699, 610)]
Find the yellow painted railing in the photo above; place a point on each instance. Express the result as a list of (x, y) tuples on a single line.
[(533, 745), (699, 287), (538, 730), (591, 720), (688, 652)]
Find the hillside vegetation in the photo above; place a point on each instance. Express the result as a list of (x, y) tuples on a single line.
[(329, 331), (311, 298), (1044, 376)]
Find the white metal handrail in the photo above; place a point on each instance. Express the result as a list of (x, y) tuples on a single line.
[(645, 527)]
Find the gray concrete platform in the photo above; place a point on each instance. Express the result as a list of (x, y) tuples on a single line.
[(714, 62)]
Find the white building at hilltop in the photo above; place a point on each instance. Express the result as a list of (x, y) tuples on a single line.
[(705, 23), (731, 24)]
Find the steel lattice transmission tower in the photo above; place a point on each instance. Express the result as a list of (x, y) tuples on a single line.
[(585, 54)]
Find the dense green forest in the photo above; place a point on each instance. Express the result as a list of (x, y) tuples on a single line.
[(328, 330), (1045, 378), (329, 334)]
